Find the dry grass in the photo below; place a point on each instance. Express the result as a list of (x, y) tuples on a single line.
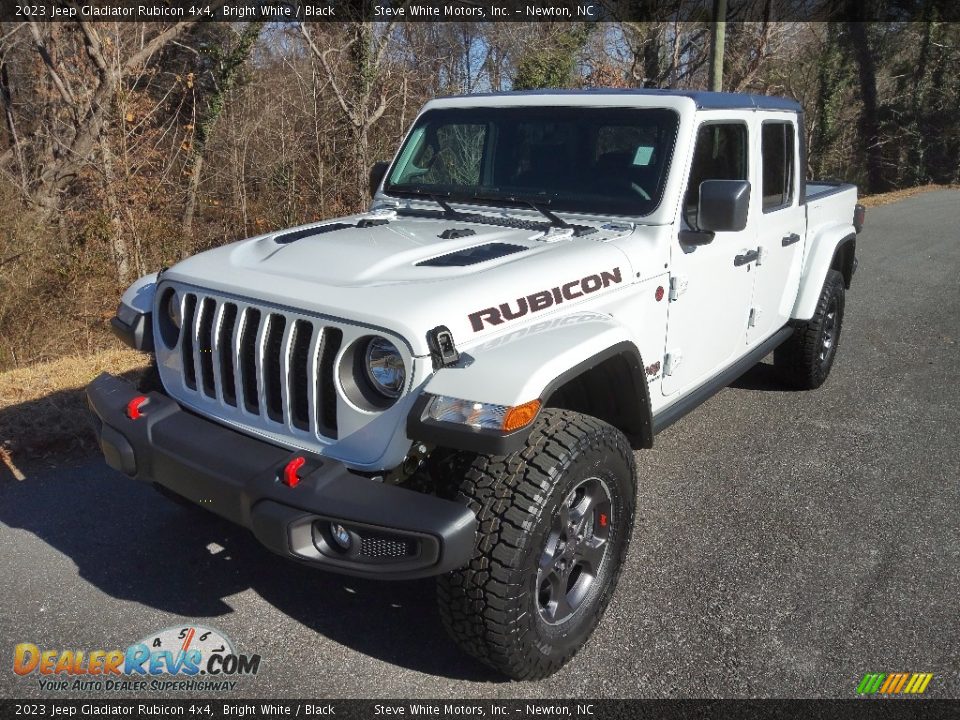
[(897, 195), (43, 407)]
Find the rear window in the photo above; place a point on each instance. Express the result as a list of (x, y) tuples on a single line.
[(777, 148)]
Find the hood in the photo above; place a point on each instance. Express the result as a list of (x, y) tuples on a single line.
[(410, 274)]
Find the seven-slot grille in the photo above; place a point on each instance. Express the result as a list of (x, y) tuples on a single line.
[(268, 363)]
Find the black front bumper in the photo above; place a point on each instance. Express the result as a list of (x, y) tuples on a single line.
[(396, 533)]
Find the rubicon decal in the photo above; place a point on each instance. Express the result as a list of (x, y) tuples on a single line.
[(180, 652), (542, 299)]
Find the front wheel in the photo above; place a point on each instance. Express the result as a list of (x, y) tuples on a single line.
[(554, 524), (805, 359)]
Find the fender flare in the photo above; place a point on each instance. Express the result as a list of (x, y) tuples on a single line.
[(529, 364), (133, 323), (820, 257)]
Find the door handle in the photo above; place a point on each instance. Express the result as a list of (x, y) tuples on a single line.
[(748, 256), (790, 239)]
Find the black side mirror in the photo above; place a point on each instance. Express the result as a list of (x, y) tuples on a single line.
[(723, 205), (377, 172)]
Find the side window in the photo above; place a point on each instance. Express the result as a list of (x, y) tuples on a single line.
[(720, 154), (777, 151)]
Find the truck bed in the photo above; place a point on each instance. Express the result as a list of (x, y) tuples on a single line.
[(829, 203)]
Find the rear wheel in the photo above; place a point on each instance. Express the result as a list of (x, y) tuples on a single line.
[(554, 525), (805, 360)]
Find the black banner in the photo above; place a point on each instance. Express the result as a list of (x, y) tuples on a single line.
[(856, 709), (476, 10)]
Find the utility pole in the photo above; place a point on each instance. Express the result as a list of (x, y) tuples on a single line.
[(718, 37)]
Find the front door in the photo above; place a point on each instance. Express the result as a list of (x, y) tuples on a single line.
[(710, 288)]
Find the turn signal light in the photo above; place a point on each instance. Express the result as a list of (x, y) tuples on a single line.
[(521, 415), (133, 407)]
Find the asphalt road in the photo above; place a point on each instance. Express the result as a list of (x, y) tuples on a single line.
[(787, 543)]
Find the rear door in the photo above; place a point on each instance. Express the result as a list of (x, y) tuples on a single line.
[(781, 228), (710, 289)]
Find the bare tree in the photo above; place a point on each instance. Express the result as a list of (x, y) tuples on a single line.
[(357, 84), (87, 109)]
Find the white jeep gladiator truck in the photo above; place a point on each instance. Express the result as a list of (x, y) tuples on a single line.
[(454, 383)]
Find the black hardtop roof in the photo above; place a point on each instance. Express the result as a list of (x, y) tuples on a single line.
[(704, 99)]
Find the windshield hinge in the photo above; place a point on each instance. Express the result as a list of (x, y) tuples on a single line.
[(678, 286), (671, 361)]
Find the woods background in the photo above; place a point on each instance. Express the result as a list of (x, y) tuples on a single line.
[(127, 146)]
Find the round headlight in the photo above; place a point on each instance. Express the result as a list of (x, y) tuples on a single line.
[(384, 367), (175, 309)]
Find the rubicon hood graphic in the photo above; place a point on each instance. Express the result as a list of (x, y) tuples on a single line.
[(543, 299)]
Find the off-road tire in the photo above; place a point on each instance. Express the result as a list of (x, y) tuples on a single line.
[(492, 607), (805, 359)]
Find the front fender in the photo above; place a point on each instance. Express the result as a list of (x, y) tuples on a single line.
[(817, 262), (133, 323), (531, 363), (520, 366)]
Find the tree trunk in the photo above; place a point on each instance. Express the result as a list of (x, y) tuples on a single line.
[(719, 33), (118, 241), (869, 125), (230, 66)]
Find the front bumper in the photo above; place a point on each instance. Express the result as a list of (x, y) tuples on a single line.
[(397, 533)]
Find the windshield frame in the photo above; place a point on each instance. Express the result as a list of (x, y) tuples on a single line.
[(488, 195)]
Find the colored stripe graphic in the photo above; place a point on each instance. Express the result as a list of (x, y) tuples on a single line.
[(870, 683), (900, 683), (923, 679), (894, 683)]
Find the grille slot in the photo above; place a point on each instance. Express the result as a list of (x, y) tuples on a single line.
[(326, 391), (205, 345), (225, 333), (273, 351), (248, 361), (300, 339), (189, 369)]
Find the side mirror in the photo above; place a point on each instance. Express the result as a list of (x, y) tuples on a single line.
[(377, 172), (723, 205)]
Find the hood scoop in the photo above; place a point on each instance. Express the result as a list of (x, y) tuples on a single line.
[(289, 237), (454, 233), (285, 238), (472, 255)]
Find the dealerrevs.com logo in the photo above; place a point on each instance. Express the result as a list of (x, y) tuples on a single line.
[(194, 658)]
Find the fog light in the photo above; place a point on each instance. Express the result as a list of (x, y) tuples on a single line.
[(340, 536)]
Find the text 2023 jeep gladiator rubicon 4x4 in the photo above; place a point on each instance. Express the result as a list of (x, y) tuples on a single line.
[(453, 384)]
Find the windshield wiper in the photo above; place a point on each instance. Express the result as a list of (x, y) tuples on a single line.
[(442, 198), (437, 197), (555, 220)]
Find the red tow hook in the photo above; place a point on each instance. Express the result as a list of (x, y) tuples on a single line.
[(133, 407), (290, 476)]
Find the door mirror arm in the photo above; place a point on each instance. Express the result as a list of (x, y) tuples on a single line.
[(377, 172), (697, 237)]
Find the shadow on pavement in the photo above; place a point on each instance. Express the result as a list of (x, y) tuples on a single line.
[(134, 544), (763, 377)]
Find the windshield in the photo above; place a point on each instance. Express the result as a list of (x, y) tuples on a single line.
[(592, 160)]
